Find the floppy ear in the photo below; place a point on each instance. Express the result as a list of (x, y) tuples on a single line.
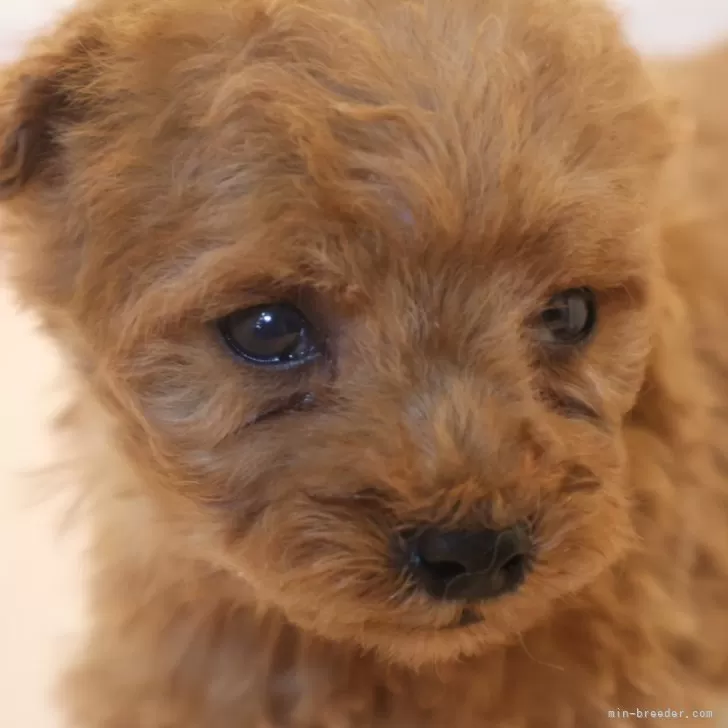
[(43, 98), (26, 138), (36, 103)]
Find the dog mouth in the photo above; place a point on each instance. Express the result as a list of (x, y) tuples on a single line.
[(468, 618)]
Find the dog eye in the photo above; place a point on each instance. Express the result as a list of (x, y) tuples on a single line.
[(569, 318), (276, 335)]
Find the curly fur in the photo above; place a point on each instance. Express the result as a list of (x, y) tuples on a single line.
[(420, 175)]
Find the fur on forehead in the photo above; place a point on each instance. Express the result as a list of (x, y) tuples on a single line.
[(325, 144)]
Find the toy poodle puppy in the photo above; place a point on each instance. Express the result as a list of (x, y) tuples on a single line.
[(400, 386)]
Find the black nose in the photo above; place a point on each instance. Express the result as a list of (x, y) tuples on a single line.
[(469, 565)]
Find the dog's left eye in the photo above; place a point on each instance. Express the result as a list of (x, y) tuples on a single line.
[(569, 317), (276, 335)]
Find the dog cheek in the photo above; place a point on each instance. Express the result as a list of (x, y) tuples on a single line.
[(340, 555), (583, 534)]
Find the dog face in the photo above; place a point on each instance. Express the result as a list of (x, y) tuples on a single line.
[(365, 286)]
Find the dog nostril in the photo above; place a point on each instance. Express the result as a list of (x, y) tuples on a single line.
[(446, 570), (468, 565), (514, 566)]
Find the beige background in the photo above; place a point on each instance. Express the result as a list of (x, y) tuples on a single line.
[(40, 575)]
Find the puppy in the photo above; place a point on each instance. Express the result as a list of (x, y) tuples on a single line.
[(397, 331)]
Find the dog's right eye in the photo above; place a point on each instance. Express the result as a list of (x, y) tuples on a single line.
[(569, 318), (274, 335)]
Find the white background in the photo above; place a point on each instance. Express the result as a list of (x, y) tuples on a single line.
[(39, 576)]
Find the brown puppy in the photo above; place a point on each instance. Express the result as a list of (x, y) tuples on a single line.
[(399, 338)]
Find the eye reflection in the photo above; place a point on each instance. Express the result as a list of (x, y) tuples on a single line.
[(272, 335)]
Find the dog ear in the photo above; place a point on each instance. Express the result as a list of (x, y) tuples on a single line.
[(28, 107), (35, 106)]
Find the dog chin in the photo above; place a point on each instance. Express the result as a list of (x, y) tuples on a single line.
[(442, 636), (420, 647)]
